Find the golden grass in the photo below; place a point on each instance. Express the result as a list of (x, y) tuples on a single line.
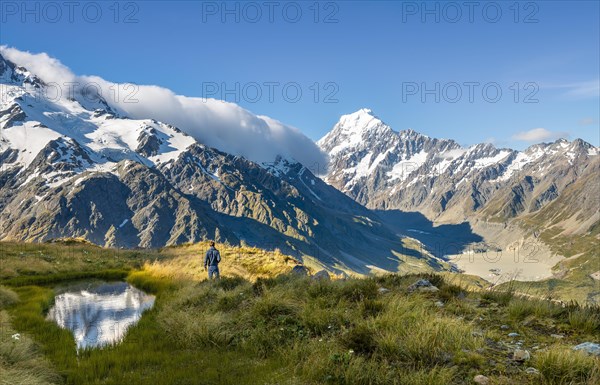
[(186, 262)]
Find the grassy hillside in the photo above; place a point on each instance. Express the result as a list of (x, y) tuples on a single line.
[(24, 263), (295, 330)]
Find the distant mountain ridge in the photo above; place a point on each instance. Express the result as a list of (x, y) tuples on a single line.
[(384, 169), (540, 205)]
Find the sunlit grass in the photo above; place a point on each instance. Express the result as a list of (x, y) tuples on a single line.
[(255, 327)]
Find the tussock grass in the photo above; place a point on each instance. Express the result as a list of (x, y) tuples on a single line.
[(562, 366), (258, 327), (500, 296), (21, 362), (7, 297), (584, 320)]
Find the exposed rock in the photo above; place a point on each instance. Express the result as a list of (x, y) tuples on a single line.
[(504, 327), (343, 276), (409, 171), (422, 285), (148, 143), (321, 275), (299, 270), (167, 188), (596, 275), (481, 380), (557, 336), (439, 304), (383, 290), (520, 355), (532, 371), (513, 334), (589, 347)]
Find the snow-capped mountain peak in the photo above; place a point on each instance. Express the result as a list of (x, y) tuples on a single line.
[(355, 131), (30, 120), (360, 122), (382, 168)]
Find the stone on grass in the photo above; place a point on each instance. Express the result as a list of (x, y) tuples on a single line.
[(423, 285), (299, 270), (481, 380), (589, 347), (321, 275), (532, 371), (521, 355), (383, 290)]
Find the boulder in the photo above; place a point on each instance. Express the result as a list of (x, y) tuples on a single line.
[(299, 270), (589, 347), (532, 371), (321, 275), (481, 380), (422, 285), (521, 355), (383, 290)]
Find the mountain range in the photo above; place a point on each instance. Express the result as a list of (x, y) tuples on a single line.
[(78, 166), (74, 167), (532, 207)]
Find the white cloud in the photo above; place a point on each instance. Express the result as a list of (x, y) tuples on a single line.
[(577, 90), (587, 121), (539, 135), (223, 125)]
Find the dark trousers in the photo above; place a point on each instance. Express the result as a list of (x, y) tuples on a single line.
[(213, 270)]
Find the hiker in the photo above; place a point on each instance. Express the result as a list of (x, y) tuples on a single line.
[(212, 259)]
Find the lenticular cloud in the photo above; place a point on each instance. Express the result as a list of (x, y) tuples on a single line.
[(223, 125)]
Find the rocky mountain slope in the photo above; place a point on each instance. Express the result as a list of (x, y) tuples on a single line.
[(385, 169), (542, 199), (73, 166)]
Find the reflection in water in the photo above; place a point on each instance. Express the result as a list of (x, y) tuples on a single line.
[(99, 313)]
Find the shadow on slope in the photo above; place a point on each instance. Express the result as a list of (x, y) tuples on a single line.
[(439, 240)]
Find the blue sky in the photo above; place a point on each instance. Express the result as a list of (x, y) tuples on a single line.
[(347, 55)]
